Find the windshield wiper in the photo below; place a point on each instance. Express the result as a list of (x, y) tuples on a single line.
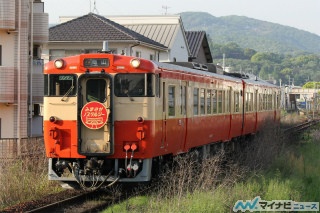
[(127, 93), (65, 96)]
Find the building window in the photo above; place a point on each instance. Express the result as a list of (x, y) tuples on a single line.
[(55, 54), (72, 52), (0, 55), (138, 54), (152, 57)]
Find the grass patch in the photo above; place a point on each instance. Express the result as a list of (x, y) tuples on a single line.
[(23, 179), (290, 172)]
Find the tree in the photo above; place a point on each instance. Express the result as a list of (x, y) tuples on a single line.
[(248, 53), (311, 85), (286, 71)]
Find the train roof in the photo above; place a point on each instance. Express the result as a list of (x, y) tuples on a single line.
[(170, 66), (237, 77)]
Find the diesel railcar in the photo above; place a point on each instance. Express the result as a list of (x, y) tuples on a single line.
[(110, 117)]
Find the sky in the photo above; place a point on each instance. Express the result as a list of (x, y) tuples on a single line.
[(300, 14)]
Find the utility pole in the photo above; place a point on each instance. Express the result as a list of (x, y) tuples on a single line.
[(165, 7)]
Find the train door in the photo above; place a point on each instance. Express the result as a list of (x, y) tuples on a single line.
[(164, 115), (174, 114), (182, 104), (94, 105)]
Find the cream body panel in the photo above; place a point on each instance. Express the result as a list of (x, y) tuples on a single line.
[(63, 110)]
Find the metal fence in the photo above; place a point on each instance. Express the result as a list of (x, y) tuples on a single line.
[(11, 148)]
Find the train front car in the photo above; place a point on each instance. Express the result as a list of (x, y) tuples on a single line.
[(98, 113)]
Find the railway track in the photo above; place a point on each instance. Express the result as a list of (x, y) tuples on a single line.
[(82, 202), (301, 127), (93, 201)]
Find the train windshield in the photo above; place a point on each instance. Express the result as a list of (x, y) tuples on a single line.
[(60, 85), (135, 85)]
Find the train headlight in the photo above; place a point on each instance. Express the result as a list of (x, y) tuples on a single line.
[(140, 119), (135, 63), (59, 63), (53, 119)]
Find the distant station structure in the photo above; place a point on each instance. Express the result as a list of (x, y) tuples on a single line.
[(300, 99)]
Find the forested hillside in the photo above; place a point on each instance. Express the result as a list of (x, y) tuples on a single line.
[(268, 50), (259, 35)]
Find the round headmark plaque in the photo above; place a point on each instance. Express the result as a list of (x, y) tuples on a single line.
[(94, 115)]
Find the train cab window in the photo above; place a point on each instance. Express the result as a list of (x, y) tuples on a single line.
[(60, 85), (96, 90), (202, 101), (171, 101), (135, 85), (209, 101), (195, 101)]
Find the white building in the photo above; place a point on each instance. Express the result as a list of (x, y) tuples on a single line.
[(160, 38), (167, 30), (23, 31)]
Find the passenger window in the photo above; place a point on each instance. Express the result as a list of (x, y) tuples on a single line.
[(236, 102), (227, 100), (183, 96), (171, 101), (250, 101), (247, 101), (195, 101), (220, 101), (209, 97), (270, 102), (202, 101), (214, 101)]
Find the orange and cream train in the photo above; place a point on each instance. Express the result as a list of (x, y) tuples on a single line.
[(111, 118)]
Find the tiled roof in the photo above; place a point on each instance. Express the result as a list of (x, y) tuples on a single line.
[(93, 27), (162, 33), (196, 40), (160, 28)]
